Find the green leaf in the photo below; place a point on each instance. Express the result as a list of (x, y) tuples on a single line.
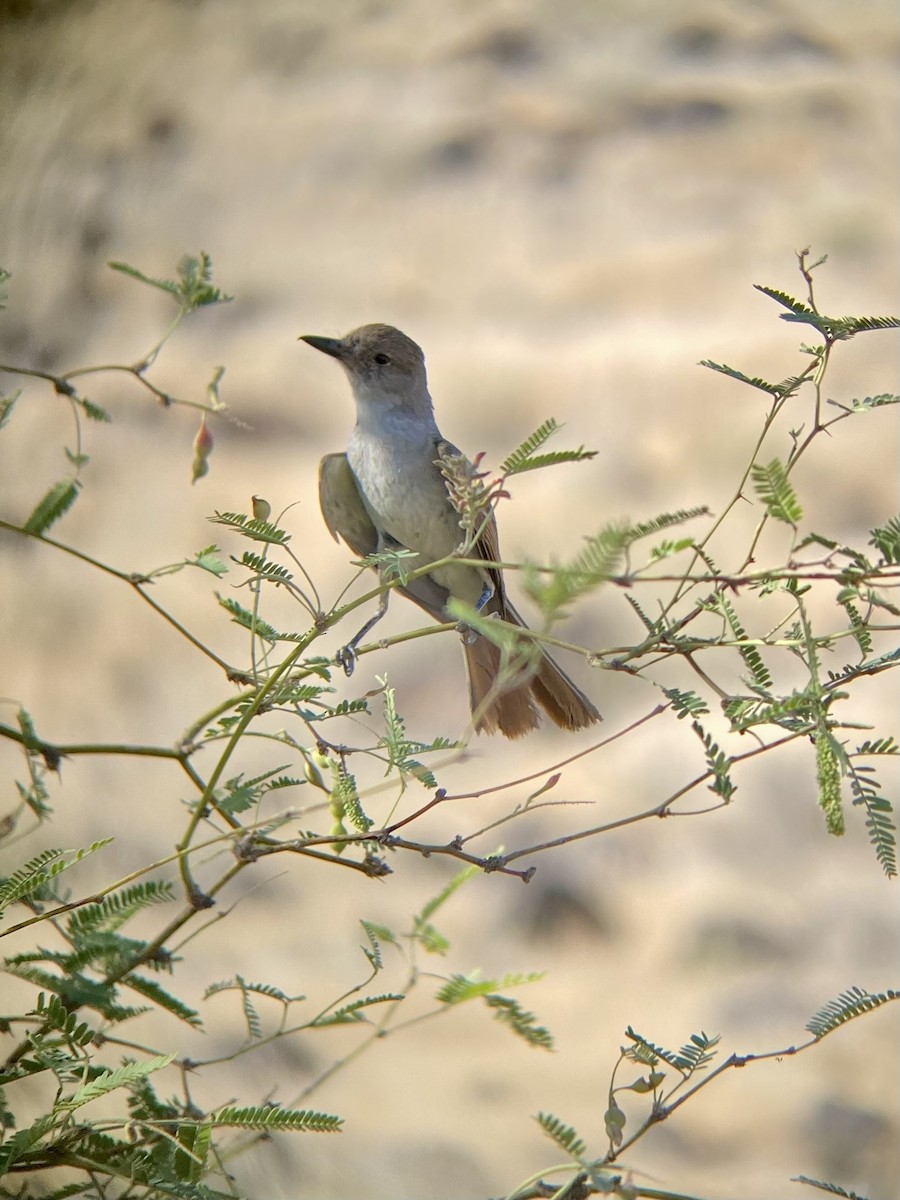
[(114, 910), (253, 528), (597, 563), (565, 1136), (787, 387), (867, 403), (150, 990), (110, 1081), (57, 501), (846, 1007), (264, 568), (717, 763), (209, 560), (665, 521), (91, 410), (525, 458), (55, 1014), (271, 1118), (438, 901), (886, 539), (350, 1014), (522, 1023), (431, 939), (686, 704), (7, 404), (41, 869), (24, 1140), (880, 825), (833, 1188), (248, 620), (775, 490), (376, 934), (460, 988), (164, 285), (693, 1056), (786, 301), (193, 288)]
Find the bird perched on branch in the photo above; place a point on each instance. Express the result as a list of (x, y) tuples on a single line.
[(389, 493)]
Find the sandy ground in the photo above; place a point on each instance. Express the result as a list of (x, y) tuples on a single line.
[(567, 205)]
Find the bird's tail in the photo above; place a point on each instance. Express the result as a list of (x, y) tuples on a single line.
[(514, 709)]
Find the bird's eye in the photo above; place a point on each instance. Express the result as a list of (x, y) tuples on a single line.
[(382, 360)]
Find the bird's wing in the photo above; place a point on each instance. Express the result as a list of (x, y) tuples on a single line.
[(346, 518), (342, 506)]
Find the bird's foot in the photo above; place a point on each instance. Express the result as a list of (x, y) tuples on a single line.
[(346, 659), (466, 633)]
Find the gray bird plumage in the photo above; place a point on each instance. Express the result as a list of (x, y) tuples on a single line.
[(388, 491)]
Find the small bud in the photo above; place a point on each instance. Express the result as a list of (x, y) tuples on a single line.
[(314, 775), (262, 509), (203, 444)]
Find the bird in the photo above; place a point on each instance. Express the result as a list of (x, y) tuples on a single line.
[(388, 493)]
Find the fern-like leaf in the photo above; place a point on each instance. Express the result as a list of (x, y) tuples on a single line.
[(886, 539), (532, 443), (565, 1136), (748, 652), (598, 562), (264, 568), (858, 626), (248, 620), (686, 704), (526, 458), (777, 493), (41, 869), (110, 1081), (694, 1055), (867, 403), (353, 1013), (271, 1118), (57, 1016), (787, 387), (786, 301), (879, 813), (460, 988), (193, 288), (717, 763), (376, 934), (879, 746), (665, 521), (55, 504), (522, 1023), (847, 1006), (438, 901), (252, 527), (150, 990), (113, 911), (846, 327), (833, 1188)]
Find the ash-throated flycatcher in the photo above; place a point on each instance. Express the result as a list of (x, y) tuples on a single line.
[(388, 492)]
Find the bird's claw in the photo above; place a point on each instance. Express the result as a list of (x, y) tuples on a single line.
[(346, 659), (467, 633)]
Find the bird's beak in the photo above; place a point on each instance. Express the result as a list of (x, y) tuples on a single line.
[(333, 346)]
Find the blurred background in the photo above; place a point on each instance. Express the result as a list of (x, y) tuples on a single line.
[(566, 203)]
